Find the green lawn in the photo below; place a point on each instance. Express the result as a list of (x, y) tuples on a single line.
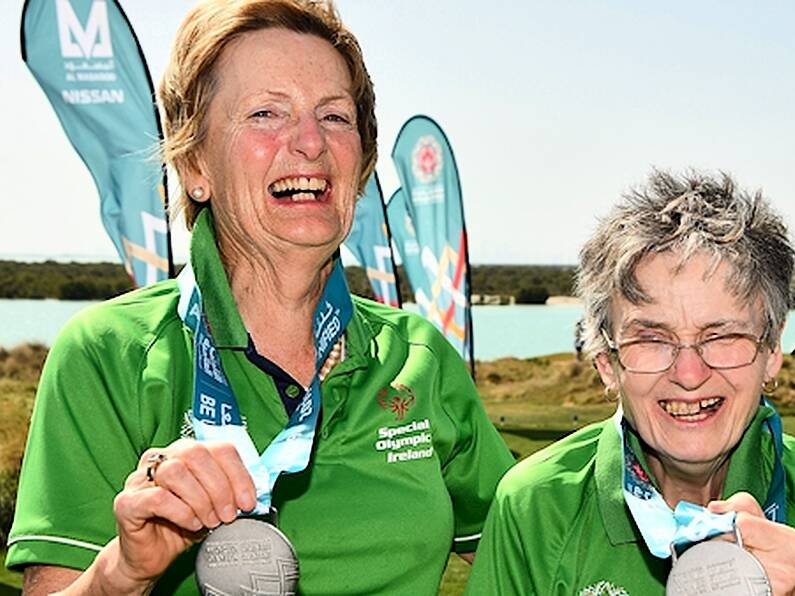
[(10, 582)]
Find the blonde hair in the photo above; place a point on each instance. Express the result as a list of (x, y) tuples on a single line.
[(189, 81)]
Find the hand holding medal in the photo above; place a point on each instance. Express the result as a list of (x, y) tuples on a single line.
[(169, 501), (759, 559), (771, 543)]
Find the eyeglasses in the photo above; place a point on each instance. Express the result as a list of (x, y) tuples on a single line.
[(647, 356)]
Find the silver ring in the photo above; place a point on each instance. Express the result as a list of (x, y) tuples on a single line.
[(154, 462)]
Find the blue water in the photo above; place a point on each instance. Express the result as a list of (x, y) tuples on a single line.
[(35, 320), (522, 331)]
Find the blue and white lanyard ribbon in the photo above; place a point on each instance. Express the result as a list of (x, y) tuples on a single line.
[(663, 529), (216, 415)]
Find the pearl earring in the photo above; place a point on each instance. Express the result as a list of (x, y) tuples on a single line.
[(197, 193)]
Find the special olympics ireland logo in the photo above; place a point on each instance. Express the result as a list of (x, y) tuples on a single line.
[(603, 588), (426, 159), (399, 402)]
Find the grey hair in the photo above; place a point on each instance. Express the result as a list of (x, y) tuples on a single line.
[(686, 214)]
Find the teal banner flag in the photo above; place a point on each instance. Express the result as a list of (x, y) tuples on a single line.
[(405, 239), (86, 58), (369, 241), (432, 197)]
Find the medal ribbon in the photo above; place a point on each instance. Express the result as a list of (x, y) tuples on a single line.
[(688, 523), (216, 415)]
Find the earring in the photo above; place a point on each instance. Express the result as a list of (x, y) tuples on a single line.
[(197, 193), (769, 387), (610, 395)]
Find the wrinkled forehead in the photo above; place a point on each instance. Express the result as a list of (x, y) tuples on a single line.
[(281, 51), (685, 292)]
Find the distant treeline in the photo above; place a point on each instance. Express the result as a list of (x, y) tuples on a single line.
[(65, 281), (528, 284), (98, 281)]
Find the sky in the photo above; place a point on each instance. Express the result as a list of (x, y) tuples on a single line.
[(553, 110)]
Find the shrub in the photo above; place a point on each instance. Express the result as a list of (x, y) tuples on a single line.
[(532, 295), (22, 363), (9, 480)]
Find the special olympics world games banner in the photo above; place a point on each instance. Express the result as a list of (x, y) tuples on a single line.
[(405, 238), (429, 178), (86, 58), (369, 241)]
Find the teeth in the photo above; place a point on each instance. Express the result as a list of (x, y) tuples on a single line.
[(679, 408), (303, 196), (682, 408), (706, 403), (299, 184)]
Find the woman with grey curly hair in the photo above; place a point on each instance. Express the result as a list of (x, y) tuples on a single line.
[(690, 487)]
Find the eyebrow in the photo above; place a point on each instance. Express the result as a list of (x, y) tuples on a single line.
[(651, 324), (330, 98), (281, 95)]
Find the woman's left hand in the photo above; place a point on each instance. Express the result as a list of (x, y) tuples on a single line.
[(770, 542)]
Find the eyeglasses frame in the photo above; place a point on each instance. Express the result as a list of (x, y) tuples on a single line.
[(614, 348)]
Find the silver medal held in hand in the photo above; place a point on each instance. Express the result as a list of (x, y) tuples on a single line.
[(717, 567), (247, 557)]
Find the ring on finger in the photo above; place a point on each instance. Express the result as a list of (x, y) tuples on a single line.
[(154, 462)]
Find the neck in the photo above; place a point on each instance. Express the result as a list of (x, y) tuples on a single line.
[(697, 483), (276, 298)]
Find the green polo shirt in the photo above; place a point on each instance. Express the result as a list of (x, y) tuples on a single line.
[(404, 468), (559, 524)]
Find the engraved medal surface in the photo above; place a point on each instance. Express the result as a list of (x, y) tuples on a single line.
[(247, 557), (717, 567)]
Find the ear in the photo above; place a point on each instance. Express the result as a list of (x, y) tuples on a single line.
[(606, 370), (774, 362), (195, 179)]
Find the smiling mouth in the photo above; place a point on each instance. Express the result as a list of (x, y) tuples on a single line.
[(692, 411), (299, 189)]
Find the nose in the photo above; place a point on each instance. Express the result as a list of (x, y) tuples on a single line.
[(689, 370), (308, 138)]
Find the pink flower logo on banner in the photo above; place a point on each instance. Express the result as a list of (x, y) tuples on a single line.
[(426, 159)]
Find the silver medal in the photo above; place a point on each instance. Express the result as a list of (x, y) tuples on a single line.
[(718, 567), (247, 557)]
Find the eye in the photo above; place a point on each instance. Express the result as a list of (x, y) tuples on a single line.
[(724, 339), (263, 114), (650, 336), (337, 118)]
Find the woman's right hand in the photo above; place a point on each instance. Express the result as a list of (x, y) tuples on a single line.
[(770, 542), (195, 487)]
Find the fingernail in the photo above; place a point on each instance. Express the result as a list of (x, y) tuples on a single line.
[(228, 513)]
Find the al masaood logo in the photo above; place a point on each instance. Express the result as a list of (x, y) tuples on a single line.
[(426, 159), (90, 75)]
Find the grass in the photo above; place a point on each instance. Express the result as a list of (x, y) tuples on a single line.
[(532, 402), (10, 582)]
